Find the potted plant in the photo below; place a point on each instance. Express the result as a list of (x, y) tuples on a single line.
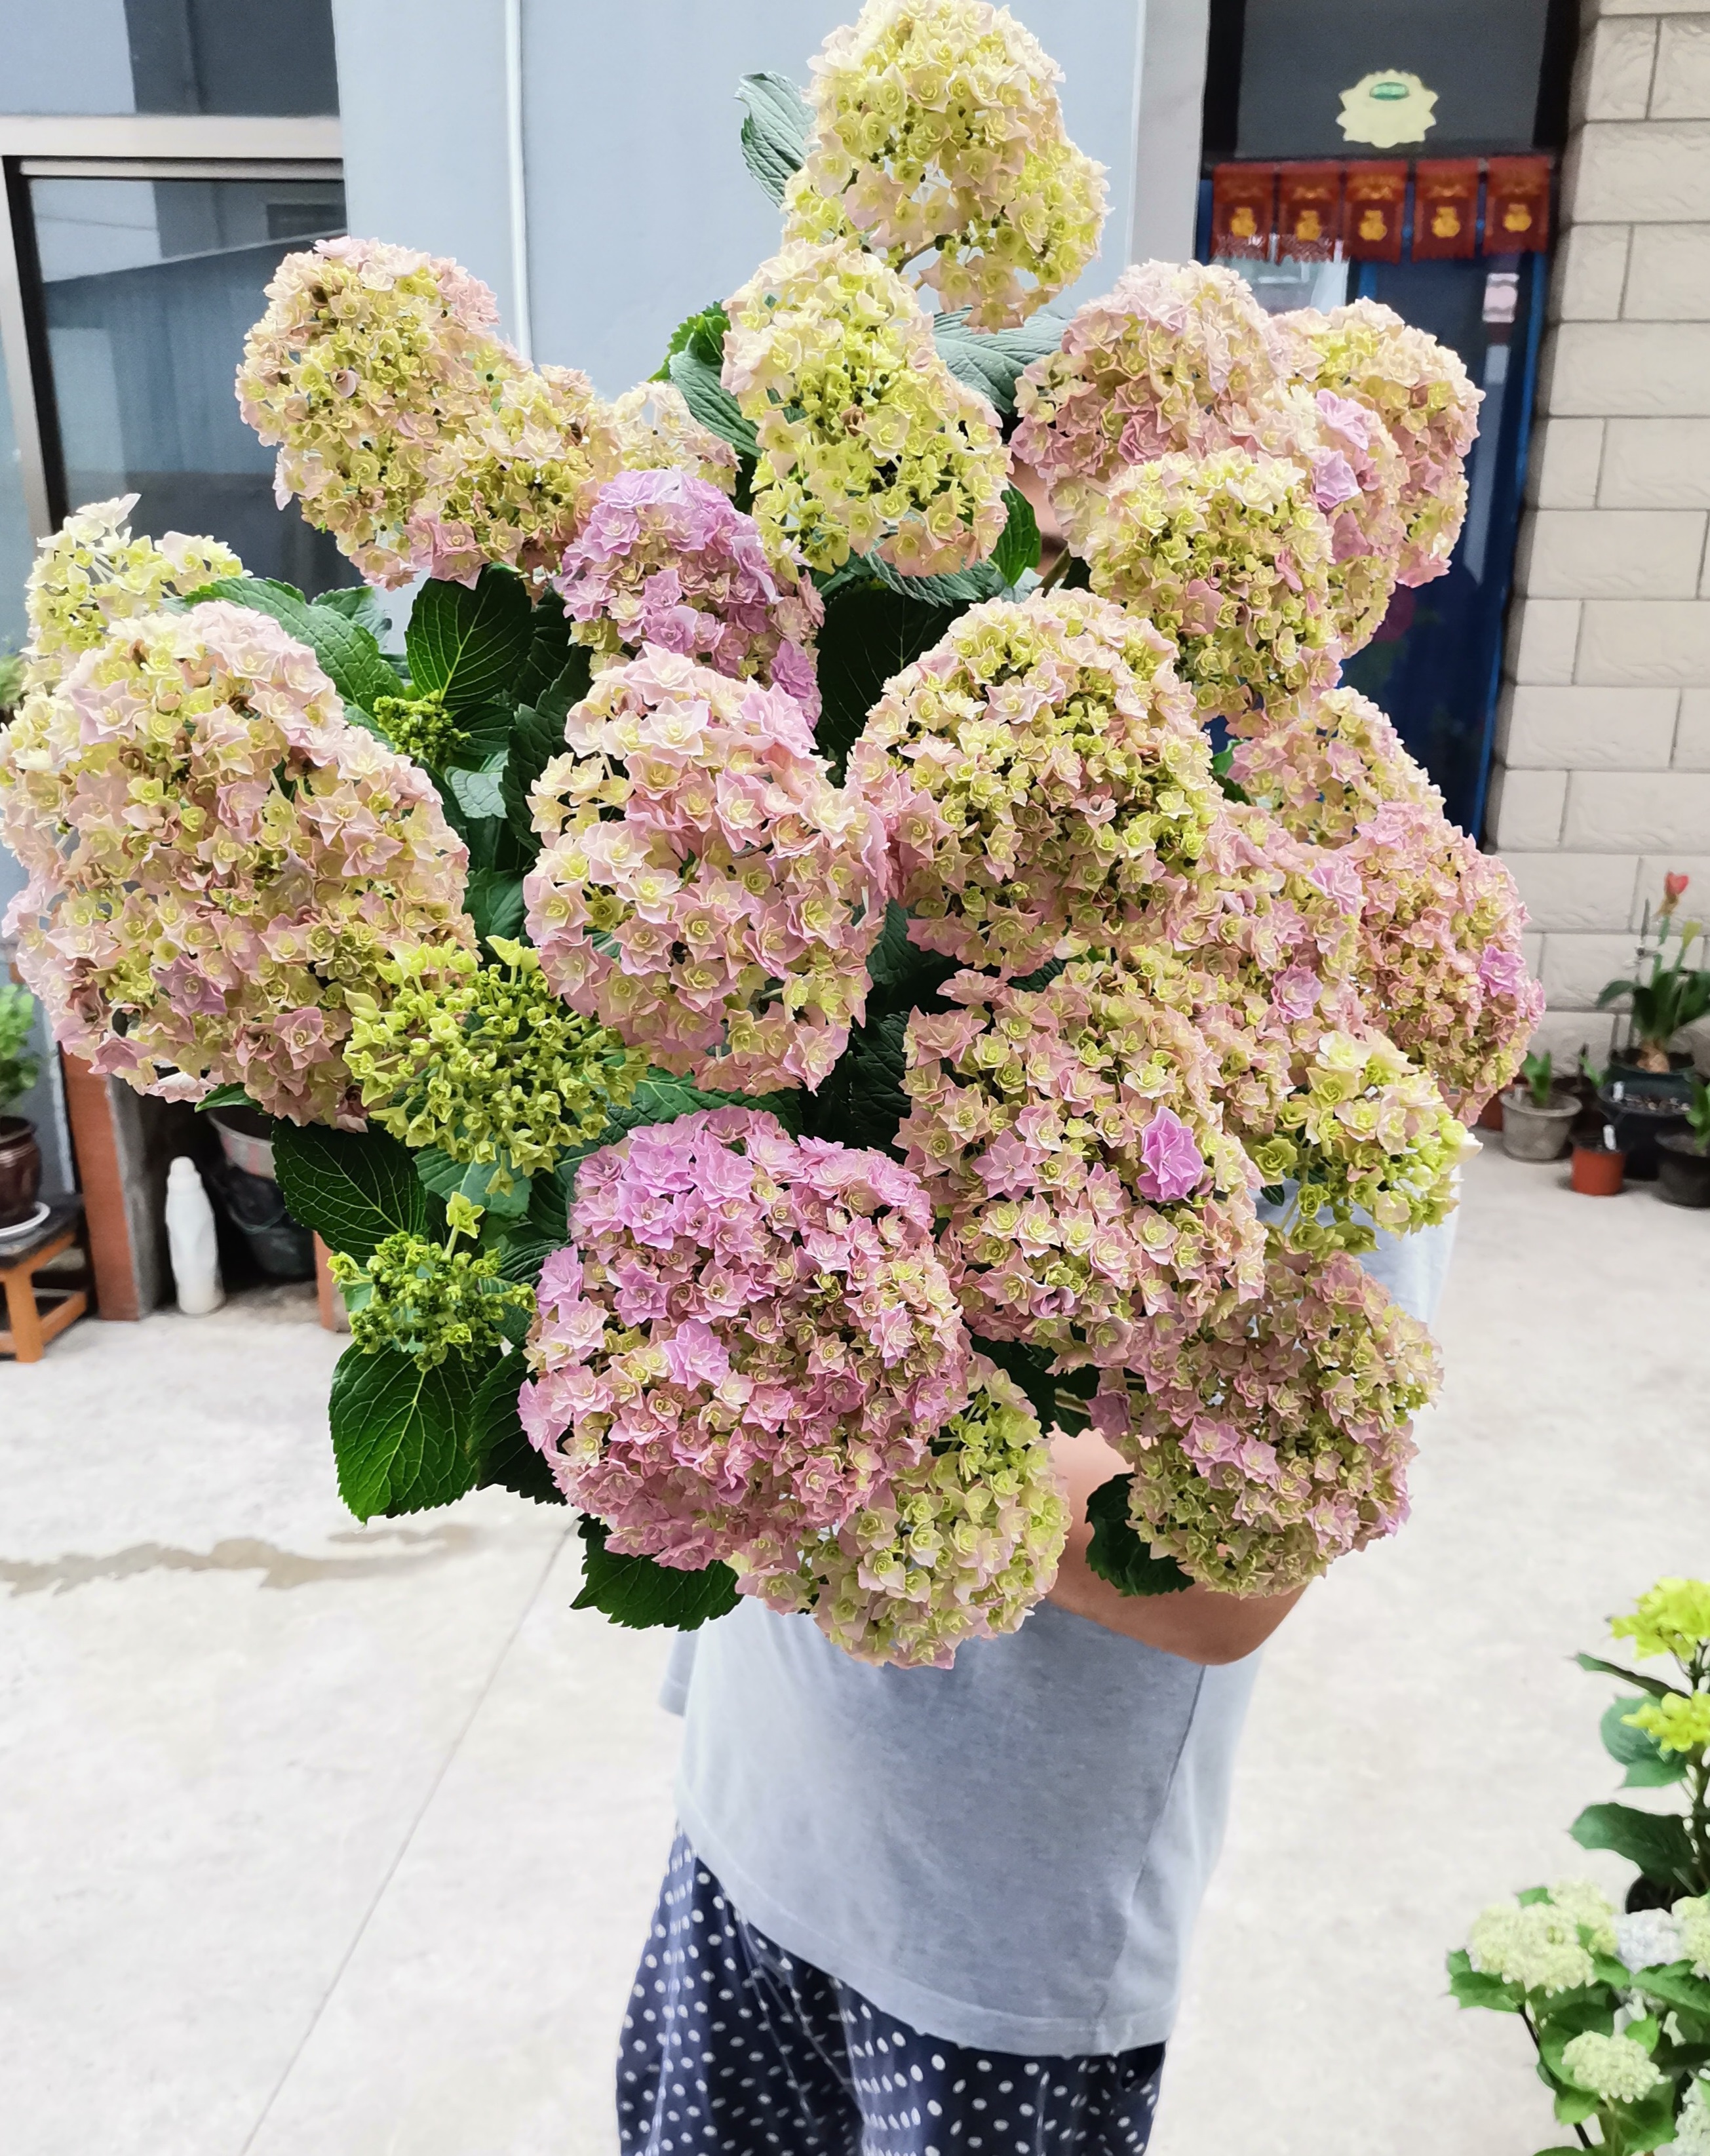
[(1683, 1157), (1600, 1166), (1672, 996), (1538, 1114), (20, 1156), (1617, 2001)]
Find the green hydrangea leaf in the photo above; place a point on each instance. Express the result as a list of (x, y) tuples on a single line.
[(356, 603), (493, 900), (711, 402), (469, 645), (481, 794), (775, 131), (643, 1594), (990, 361), (1648, 1766), (1472, 1987), (1018, 547), (350, 656), (861, 1102), (354, 1191), (537, 736), (1649, 2123), (507, 1458), (1031, 1370), (1655, 1686), (227, 1097), (1574, 2104), (870, 634), (403, 1436), (1656, 1841), (472, 1179), (1116, 1553), (1676, 1985), (550, 651), (964, 588)]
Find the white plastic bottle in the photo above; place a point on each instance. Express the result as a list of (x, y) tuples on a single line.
[(191, 1241)]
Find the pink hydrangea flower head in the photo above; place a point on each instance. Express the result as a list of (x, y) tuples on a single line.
[(218, 860), (1041, 776), (754, 1340), (405, 428), (664, 558), (705, 889), (1231, 559), (1324, 762), (1365, 354), (1071, 1141), (1273, 1437), (1148, 370)]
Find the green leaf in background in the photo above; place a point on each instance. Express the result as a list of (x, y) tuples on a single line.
[(227, 1097), (1648, 1766), (1017, 549), (353, 1191), (506, 1456), (1656, 1841), (469, 645), (486, 732), (1472, 1987), (775, 131), (349, 655), (1675, 1986), (862, 1101), (403, 1436), (1650, 2122), (493, 902), (711, 403), (964, 587), (1574, 2104), (480, 793), (1655, 1686), (474, 1180), (356, 603), (1031, 1370), (870, 634), (1117, 1554), (990, 361), (537, 736), (549, 650), (642, 1594)]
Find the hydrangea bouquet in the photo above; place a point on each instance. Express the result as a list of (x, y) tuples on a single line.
[(776, 1006)]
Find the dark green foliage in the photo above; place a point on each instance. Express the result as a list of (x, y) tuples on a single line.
[(356, 603), (494, 899), (474, 1180), (1657, 1688), (641, 1594), (964, 588), (775, 132), (467, 646), (537, 736), (1117, 1554), (990, 361), (1221, 765), (1656, 1841), (353, 1191), (226, 1096), (870, 634), (862, 1101), (1031, 1371), (1017, 551), (403, 1436), (702, 334), (506, 1456), (549, 652), (1472, 1987), (710, 402)]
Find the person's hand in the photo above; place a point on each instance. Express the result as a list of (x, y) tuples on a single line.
[(1198, 1624)]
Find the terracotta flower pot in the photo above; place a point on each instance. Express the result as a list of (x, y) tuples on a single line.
[(20, 1169), (1599, 1172)]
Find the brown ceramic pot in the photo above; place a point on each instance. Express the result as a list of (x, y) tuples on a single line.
[(1599, 1172), (20, 1170)]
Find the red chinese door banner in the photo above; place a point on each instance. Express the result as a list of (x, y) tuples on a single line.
[(1308, 211), (1242, 197), (1375, 198), (1517, 206), (1445, 209)]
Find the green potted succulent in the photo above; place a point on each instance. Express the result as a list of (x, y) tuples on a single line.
[(1538, 1114), (1683, 1157), (20, 1156), (1616, 2001)]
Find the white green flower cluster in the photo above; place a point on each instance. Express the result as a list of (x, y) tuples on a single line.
[(1537, 1945), (938, 132), (1691, 2129), (1614, 2068), (868, 442)]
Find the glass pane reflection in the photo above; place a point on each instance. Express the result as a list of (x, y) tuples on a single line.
[(149, 286)]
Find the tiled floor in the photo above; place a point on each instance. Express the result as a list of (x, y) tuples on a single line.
[(317, 1840)]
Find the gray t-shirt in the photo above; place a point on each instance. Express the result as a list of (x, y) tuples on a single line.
[(1009, 1853)]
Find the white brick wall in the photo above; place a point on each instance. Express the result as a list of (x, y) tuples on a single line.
[(1602, 779)]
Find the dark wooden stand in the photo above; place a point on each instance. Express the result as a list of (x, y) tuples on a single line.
[(31, 1326)]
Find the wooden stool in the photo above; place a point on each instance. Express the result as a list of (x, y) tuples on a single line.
[(32, 1326)]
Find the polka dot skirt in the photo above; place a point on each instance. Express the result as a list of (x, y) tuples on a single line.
[(731, 2047)]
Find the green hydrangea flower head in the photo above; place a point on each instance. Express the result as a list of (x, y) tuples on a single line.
[(1692, 1915), (1678, 1724), (1673, 1618), (430, 1300), (489, 1066), (420, 726), (1539, 1944), (1612, 2067)]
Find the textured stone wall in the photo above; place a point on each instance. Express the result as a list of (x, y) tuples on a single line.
[(1602, 781)]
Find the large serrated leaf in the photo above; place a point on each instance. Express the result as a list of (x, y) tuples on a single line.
[(775, 131), (403, 1436), (506, 1456), (469, 645), (990, 361), (480, 792), (1472, 1987), (356, 603), (964, 588), (348, 653), (1648, 1766), (643, 1594), (1018, 547), (1116, 1553), (1656, 1841), (869, 635), (354, 1191), (712, 403), (494, 901), (549, 650)]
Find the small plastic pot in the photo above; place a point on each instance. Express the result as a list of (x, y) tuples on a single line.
[(1683, 1170), (1530, 1132), (1598, 1172)]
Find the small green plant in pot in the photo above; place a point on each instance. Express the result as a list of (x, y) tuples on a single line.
[(1538, 1114), (1683, 1157), (1672, 996), (20, 1156), (1617, 2002)]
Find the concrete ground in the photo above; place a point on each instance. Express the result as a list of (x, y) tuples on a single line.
[(321, 1839)]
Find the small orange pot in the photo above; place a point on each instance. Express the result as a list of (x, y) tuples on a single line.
[(1599, 1172)]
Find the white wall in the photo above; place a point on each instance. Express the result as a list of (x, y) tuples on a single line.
[(639, 209)]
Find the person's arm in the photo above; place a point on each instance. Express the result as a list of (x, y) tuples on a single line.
[(1198, 1624)]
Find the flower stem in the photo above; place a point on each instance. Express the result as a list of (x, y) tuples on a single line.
[(1585, 2140)]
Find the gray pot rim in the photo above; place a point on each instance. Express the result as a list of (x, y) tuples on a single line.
[(1519, 1098)]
